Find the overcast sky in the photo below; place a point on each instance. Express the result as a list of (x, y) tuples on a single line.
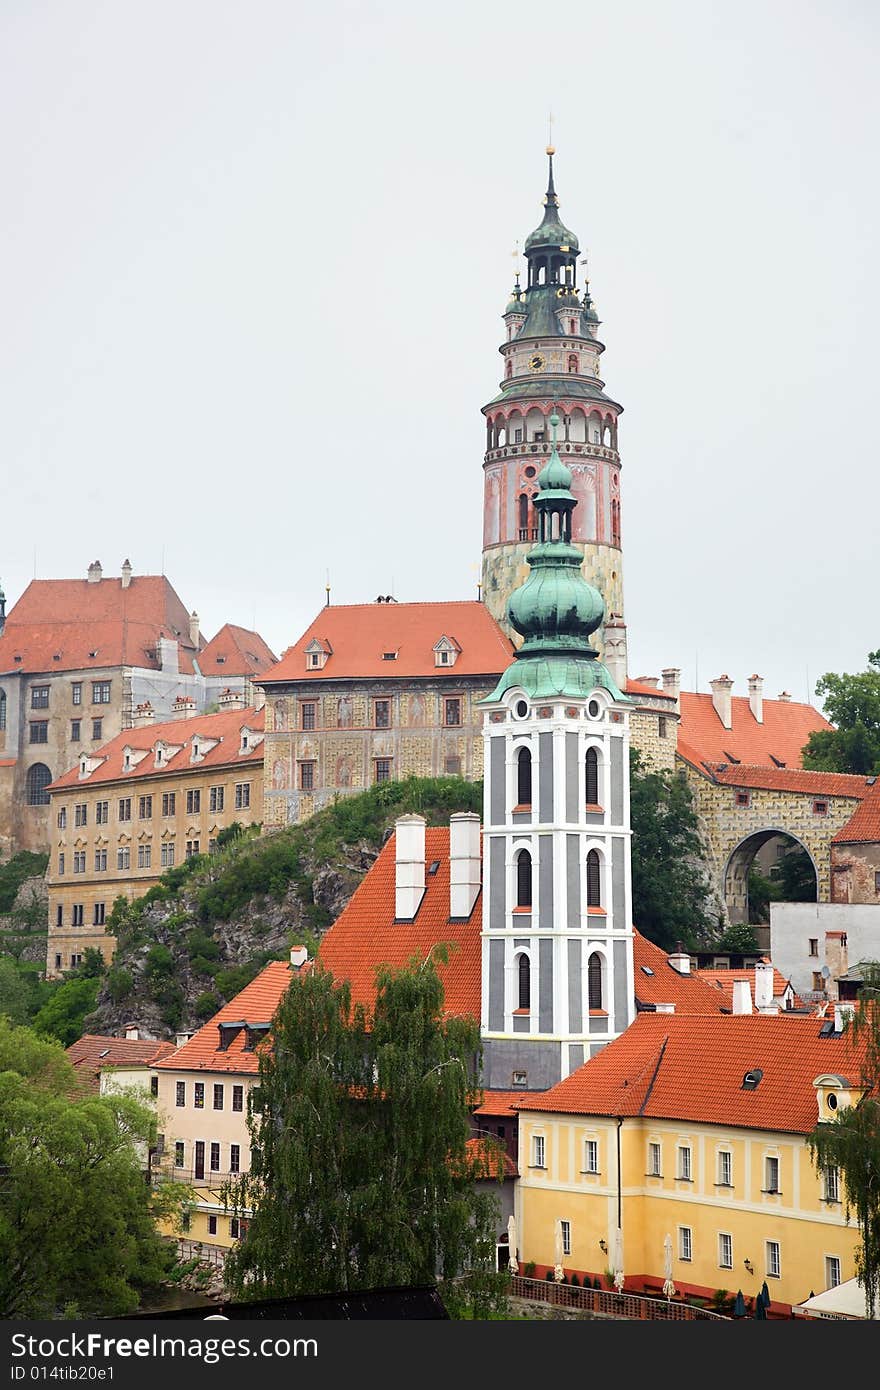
[(253, 259)]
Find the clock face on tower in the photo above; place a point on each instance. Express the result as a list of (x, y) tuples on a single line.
[(536, 362)]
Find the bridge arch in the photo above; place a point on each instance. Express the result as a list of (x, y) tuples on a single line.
[(742, 858)]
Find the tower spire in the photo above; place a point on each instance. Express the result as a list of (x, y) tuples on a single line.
[(551, 198)]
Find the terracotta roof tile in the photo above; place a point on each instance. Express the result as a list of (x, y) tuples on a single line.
[(637, 687), (786, 727), (235, 651), (499, 1104), (357, 635), (864, 825), (664, 985), (723, 980), (484, 1163), (225, 727), (256, 1003), (691, 1068), (790, 779), (93, 1053)]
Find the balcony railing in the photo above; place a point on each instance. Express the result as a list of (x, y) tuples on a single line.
[(620, 1305), (210, 1177)]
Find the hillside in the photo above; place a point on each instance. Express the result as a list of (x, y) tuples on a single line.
[(201, 934)]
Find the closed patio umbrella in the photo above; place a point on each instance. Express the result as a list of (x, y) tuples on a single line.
[(618, 1259), (765, 1294), (739, 1305), (511, 1245), (760, 1308), (559, 1272), (668, 1284)]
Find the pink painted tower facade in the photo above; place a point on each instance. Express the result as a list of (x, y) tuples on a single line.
[(551, 361)]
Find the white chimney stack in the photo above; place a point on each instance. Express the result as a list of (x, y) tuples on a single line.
[(664, 1008), (742, 997), (298, 957), (763, 985), (464, 863), (132, 1032), (180, 1039), (671, 677), (784, 696), (95, 572), (756, 697), (126, 573), (409, 874), (680, 960), (194, 628), (614, 644), (143, 714), (721, 688), (842, 1014), (231, 699)]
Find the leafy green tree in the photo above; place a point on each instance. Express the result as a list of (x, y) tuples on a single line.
[(851, 1142), (75, 1212), (359, 1172), (739, 939), (797, 877), (63, 1013), (15, 993), (762, 892), (852, 703), (669, 877), (26, 864)]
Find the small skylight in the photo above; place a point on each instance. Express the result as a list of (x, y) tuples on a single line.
[(389, 656), (778, 761), (827, 1029), (105, 1053), (752, 1079), (730, 758), (433, 866), (646, 970)]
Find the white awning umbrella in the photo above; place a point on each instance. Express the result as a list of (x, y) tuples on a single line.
[(511, 1245), (668, 1285), (618, 1259), (559, 1272)]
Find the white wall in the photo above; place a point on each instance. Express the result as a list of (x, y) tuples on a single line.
[(793, 924)]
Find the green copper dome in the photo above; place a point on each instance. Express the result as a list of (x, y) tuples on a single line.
[(551, 232)]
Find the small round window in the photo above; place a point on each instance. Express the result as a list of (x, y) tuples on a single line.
[(832, 1101), (594, 709), (520, 709), (530, 472)]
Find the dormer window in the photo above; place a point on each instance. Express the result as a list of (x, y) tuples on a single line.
[(316, 655), (446, 652)]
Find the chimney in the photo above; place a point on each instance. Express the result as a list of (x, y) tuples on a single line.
[(231, 699), (742, 997), (298, 957), (680, 959), (763, 985), (409, 874), (180, 1039), (721, 688), (194, 628), (664, 1008), (784, 696), (184, 707), (756, 697), (132, 1032), (126, 573), (671, 677), (143, 714), (842, 1015), (614, 648), (653, 681), (464, 863), (169, 656), (95, 572)]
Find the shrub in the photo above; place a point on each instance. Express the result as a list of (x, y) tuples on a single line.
[(529, 1269), (574, 1281), (120, 983), (13, 873), (207, 1004), (160, 962)]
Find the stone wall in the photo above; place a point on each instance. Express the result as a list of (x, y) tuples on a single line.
[(855, 873), (657, 749)]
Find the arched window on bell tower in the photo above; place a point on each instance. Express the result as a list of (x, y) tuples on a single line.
[(594, 879), (594, 981), (524, 777), (523, 509), (524, 982), (592, 777), (524, 879)]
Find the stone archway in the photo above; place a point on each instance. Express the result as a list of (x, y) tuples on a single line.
[(740, 861)]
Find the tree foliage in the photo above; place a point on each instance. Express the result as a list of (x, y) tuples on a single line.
[(852, 703), (75, 1212), (851, 1143), (63, 1013), (26, 864), (669, 878), (359, 1172)]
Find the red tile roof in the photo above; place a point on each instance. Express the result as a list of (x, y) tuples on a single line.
[(723, 980), (484, 1163), (235, 651), (357, 634), (70, 618), (863, 827), (785, 729), (256, 1003), (499, 1104), (93, 1053), (687, 1068), (641, 687), (665, 985), (225, 727), (790, 779)]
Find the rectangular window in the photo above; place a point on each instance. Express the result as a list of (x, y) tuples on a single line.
[(832, 1184), (199, 1095), (39, 731), (75, 730), (308, 715), (125, 808), (452, 767), (818, 982), (76, 917), (58, 954), (820, 807), (98, 917), (193, 802), (100, 692), (169, 803), (218, 1096), (81, 813), (145, 856), (97, 729), (814, 946), (77, 960), (212, 845), (382, 714), (100, 861), (76, 692), (307, 776), (684, 1164), (832, 1271), (192, 848), (179, 1149), (154, 1086), (238, 1098), (452, 711), (234, 1158), (591, 1156), (383, 770), (742, 798), (685, 1243), (102, 813), (215, 1157), (180, 1093), (661, 726), (654, 1160), (538, 1151), (61, 862), (79, 861), (39, 697), (242, 796), (216, 797), (123, 857), (212, 1225), (166, 855), (566, 1237), (877, 880), (145, 808), (725, 1168), (774, 1262), (234, 1227), (725, 1250), (771, 1174), (62, 818)]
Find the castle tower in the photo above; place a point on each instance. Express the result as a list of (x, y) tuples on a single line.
[(551, 358), (557, 972)]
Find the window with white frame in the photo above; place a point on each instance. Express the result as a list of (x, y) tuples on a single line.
[(774, 1263), (655, 1154), (538, 1151), (725, 1250), (685, 1243), (566, 1237), (725, 1168), (771, 1173), (832, 1184), (832, 1271), (683, 1172), (591, 1155)]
